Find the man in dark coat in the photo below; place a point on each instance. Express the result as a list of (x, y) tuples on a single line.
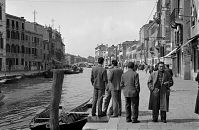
[(159, 84), (99, 81), (131, 89)]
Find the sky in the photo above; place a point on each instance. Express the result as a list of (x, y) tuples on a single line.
[(84, 24)]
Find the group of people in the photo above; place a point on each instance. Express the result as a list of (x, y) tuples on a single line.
[(108, 83)]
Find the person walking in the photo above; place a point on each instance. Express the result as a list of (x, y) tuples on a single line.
[(159, 84), (197, 99), (115, 88), (99, 81), (131, 88)]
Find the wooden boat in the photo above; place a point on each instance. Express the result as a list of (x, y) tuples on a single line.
[(12, 80), (72, 120)]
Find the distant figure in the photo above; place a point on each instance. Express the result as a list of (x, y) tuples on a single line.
[(159, 84), (131, 89), (168, 69), (197, 99), (99, 81)]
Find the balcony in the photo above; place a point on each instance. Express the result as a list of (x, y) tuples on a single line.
[(176, 18)]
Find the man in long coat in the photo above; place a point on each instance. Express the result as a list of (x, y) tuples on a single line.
[(159, 84)]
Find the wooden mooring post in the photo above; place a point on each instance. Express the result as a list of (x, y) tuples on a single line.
[(58, 76)]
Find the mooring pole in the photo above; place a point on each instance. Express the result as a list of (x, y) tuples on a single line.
[(58, 76)]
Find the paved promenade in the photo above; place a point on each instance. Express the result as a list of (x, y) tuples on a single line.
[(181, 115)]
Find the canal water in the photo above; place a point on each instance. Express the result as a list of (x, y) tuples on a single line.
[(26, 97)]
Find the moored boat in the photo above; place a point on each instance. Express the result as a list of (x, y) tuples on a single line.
[(12, 80), (75, 119)]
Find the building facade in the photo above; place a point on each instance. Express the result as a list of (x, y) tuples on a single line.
[(2, 36)]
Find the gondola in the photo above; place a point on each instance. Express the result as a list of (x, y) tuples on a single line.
[(75, 119)]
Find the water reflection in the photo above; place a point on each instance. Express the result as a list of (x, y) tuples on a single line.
[(26, 97)]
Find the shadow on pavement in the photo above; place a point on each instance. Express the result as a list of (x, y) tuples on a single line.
[(182, 120), (141, 113)]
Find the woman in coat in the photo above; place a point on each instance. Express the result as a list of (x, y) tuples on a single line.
[(197, 99)]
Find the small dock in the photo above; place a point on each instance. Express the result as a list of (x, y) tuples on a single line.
[(181, 114)]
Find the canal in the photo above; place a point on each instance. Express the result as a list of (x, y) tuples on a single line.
[(26, 97)]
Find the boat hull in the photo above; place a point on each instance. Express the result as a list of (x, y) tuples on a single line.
[(78, 125)]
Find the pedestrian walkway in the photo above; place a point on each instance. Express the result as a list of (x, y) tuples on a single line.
[(181, 114)]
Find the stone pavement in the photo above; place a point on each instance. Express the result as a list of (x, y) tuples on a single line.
[(181, 114)]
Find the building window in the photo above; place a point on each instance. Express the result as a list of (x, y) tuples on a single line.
[(17, 48), (22, 61), (17, 25), (13, 24), (7, 23), (22, 49), (17, 62), (1, 43), (22, 26), (7, 48), (22, 36), (12, 48), (8, 33), (1, 12)]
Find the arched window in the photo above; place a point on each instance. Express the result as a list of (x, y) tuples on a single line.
[(22, 49), (7, 48), (12, 48), (15, 49)]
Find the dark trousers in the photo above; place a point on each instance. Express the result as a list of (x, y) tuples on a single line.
[(156, 114), (97, 100), (134, 103)]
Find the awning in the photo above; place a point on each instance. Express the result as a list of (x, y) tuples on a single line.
[(190, 40), (171, 52), (176, 49)]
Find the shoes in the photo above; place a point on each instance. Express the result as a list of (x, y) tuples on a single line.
[(164, 121), (93, 114), (114, 116), (155, 120), (135, 121), (128, 120)]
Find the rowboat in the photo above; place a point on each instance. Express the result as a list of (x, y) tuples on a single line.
[(74, 119)]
